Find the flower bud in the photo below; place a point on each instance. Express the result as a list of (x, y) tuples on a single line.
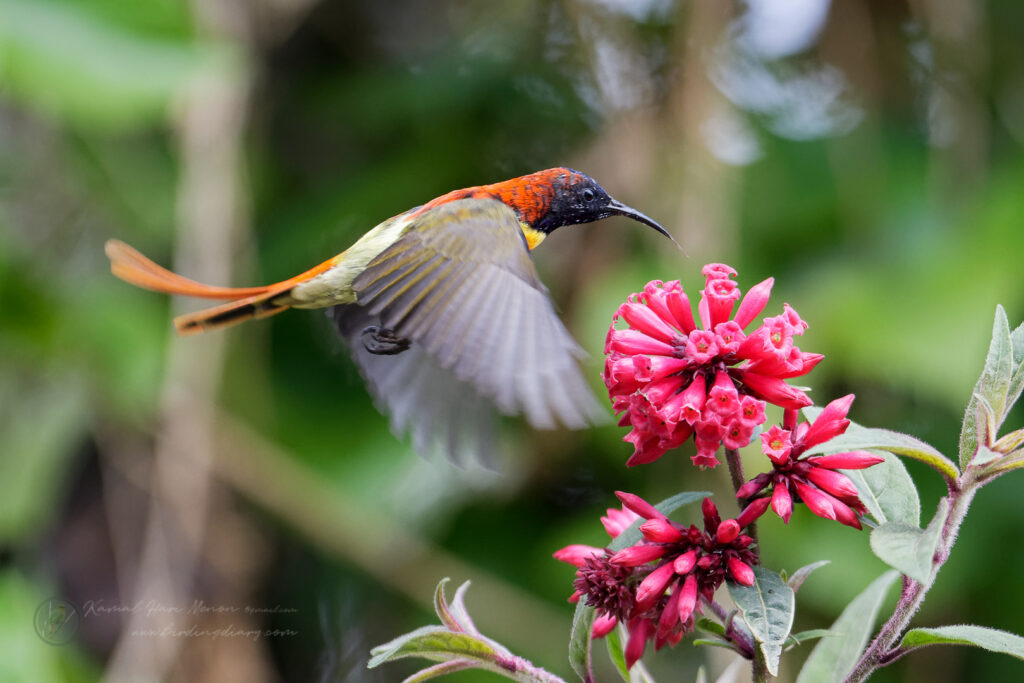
[(740, 571), (660, 531), (727, 531)]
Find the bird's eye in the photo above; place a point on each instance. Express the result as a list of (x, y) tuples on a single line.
[(588, 195)]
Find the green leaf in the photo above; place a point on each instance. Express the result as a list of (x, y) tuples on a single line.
[(800, 575), (984, 426), (984, 456), (858, 438), (1012, 461), (797, 639), (454, 616), (1009, 442), (714, 642), (1017, 379), (990, 639), (1017, 344), (767, 608), (1013, 391), (580, 641), (436, 643), (615, 653), (833, 658), (710, 626), (908, 548), (441, 669), (888, 491), (993, 385)]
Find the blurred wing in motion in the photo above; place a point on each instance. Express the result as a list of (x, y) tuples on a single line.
[(420, 397), (460, 285)]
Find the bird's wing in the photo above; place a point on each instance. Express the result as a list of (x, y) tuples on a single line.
[(420, 397), (460, 284)]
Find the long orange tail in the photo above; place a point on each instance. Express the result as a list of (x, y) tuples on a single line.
[(245, 303)]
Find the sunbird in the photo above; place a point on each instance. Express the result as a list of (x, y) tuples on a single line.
[(441, 307)]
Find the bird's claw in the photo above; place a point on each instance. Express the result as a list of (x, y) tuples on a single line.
[(383, 341)]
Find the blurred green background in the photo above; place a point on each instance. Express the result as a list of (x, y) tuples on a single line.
[(866, 154)]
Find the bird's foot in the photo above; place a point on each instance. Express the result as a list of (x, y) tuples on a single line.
[(383, 341)]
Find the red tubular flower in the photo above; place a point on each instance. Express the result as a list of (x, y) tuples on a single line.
[(593, 569), (812, 480), (653, 586), (682, 563), (670, 379)]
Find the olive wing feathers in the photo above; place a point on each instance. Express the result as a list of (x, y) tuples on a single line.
[(461, 285)]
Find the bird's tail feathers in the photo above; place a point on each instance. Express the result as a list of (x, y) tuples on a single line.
[(232, 313), (244, 303), (134, 268)]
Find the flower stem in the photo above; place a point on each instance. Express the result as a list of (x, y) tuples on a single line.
[(732, 457), (882, 651)]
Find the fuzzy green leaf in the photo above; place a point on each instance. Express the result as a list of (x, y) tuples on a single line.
[(993, 385), (985, 455), (984, 430), (453, 615), (990, 639), (832, 659), (767, 608), (800, 575), (710, 626), (1009, 442), (580, 641), (910, 549), (714, 642), (615, 653), (1011, 461), (436, 643), (1017, 379), (441, 669), (859, 438), (888, 491), (797, 639)]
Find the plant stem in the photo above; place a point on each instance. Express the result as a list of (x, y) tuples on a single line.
[(882, 651), (738, 637), (732, 457), (760, 668), (520, 669)]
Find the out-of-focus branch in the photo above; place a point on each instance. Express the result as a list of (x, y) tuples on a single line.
[(209, 218), (957, 116)]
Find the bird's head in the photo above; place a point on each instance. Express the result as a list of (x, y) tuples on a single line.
[(549, 199)]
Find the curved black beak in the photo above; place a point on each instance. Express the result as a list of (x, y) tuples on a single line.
[(617, 208)]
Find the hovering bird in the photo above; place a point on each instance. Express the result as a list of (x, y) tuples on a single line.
[(441, 307)]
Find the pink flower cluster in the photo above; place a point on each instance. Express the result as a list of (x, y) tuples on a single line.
[(653, 587), (671, 379), (812, 480)]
